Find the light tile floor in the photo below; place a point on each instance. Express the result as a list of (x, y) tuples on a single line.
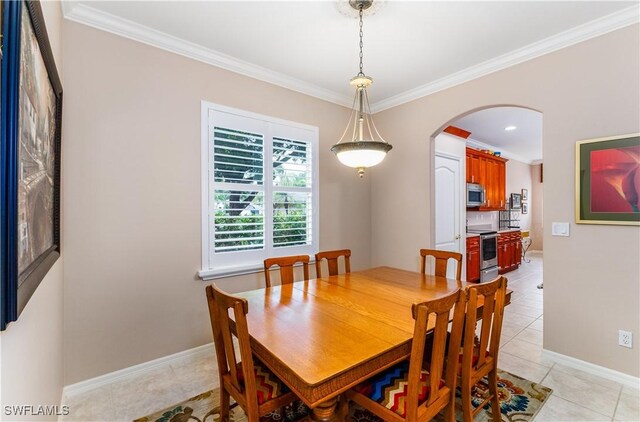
[(577, 396)]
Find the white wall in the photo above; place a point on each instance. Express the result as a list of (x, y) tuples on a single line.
[(31, 355), (132, 221), (591, 279)]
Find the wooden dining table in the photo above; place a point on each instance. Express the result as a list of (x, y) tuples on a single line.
[(323, 336)]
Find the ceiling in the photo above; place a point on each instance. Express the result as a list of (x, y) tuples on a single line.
[(487, 126), (411, 48)]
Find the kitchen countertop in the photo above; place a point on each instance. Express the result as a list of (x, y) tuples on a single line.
[(473, 235), (508, 230)]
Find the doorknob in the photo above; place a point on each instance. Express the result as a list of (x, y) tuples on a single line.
[(457, 237)]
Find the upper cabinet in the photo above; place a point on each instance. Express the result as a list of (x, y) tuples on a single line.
[(490, 172)]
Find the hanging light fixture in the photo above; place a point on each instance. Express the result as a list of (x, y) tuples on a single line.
[(366, 148)]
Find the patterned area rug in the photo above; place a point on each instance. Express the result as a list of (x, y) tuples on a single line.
[(520, 401)]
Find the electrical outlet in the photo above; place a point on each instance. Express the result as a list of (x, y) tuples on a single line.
[(625, 338)]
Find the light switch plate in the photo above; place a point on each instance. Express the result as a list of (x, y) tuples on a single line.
[(560, 229)]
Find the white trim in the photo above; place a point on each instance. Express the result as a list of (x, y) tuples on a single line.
[(504, 154), (207, 275), (87, 15), (135, 370), (591, 368), (584, 32)]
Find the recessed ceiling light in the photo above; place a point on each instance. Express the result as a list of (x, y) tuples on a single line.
[(510, 128)]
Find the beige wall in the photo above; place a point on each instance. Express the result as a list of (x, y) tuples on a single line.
[(32, 348), (537, 233), (591, 279), (518, 178), (132, 196)]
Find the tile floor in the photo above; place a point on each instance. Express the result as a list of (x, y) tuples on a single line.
[(577, 396)]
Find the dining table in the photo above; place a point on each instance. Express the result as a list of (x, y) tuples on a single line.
[(325, 335)]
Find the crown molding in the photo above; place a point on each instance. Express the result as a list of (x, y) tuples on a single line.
[(503, 153), (584, 32), (95, 18), (84, 14)]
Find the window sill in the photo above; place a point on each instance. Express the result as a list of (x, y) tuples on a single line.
[(206, 275)]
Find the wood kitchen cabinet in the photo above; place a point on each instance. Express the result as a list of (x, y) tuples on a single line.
[(490, 172), (473, 258), (509, 251)]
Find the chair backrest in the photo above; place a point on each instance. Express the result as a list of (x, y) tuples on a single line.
[(491, 296), (332, 261), (219, 305), (442, 259), (286, 264), (435, 314)]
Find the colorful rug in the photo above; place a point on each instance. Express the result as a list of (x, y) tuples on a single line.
[(520, 401)]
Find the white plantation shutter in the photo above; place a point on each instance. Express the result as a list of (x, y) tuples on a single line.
[(260, 190)]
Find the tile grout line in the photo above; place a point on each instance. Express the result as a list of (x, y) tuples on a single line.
[(615, 410)]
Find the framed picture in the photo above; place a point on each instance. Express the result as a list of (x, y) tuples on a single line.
[(608, 180), (525, 194), (31, 115), (515, 201), (525, 208)]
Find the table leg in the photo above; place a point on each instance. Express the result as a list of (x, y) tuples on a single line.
[(325, 411)]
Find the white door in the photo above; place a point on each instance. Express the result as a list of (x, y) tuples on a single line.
[(448, 203)]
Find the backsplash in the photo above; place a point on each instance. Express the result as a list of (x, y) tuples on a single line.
[(483, 218)]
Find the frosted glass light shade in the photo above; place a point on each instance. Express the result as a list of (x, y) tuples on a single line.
[(361, 154)]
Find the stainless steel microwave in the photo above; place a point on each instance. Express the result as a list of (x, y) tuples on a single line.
[(476, 195)]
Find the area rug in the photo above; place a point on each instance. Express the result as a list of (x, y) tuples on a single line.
[(520, 401)]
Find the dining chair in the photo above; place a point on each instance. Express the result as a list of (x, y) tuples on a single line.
[(286, 264), (332, 261), (426, 392), (480, 353), (442, 260), (251, 384)]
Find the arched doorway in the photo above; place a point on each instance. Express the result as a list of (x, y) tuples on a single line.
[(513, 136)]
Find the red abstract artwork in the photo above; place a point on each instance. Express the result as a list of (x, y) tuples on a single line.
[(615, 180)]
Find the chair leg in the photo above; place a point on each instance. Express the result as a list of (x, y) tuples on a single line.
[(450, 410), (225, 401), (467, 408), (495, 398)]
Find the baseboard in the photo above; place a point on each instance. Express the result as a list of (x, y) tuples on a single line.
[(92, 383), (535, 251), (591, 368)]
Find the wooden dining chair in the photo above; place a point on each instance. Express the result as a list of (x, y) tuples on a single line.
[(480, 355), (426, 392), (251, 384), (332, 261), (286, 264), (442, 260)]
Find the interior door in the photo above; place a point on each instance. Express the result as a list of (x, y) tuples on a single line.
[(448, 205)]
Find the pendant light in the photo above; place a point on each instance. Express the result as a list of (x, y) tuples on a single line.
[(366, 147)]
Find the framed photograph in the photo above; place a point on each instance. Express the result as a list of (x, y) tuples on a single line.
[(608, 180), (525, 194), (515, 201), (525, 208), (31, 113)]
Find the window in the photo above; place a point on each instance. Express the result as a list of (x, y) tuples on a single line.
[(259, 190)]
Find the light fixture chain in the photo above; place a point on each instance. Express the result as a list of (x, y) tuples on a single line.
[(361, 43)]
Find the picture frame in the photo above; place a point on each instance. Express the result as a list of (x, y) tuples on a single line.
[(524, 194), (607, 184), (525, 208), (515, 201), (30, 145)]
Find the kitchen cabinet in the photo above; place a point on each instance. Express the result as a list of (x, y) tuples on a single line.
[(509, 251), (490, 172), (473, 258)]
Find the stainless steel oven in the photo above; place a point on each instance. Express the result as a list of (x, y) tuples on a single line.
[(488, 254)]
